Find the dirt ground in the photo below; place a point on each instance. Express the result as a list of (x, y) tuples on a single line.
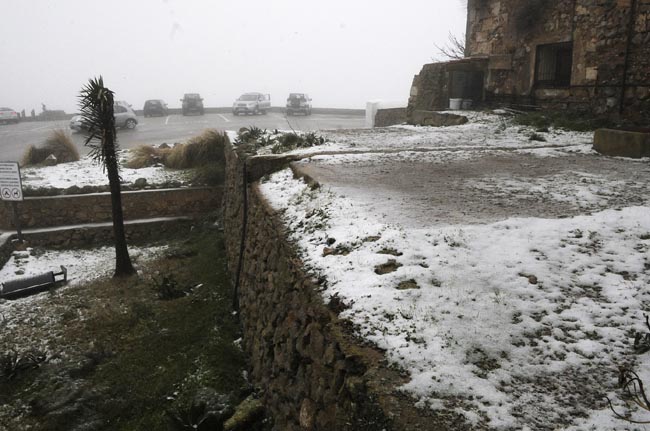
[(473, 186)]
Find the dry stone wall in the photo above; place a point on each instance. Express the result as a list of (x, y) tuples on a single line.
[(315, 374)]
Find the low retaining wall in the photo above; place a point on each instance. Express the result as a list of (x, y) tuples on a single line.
[(315, 374), (49, 211), (622, 143), (390, 117), (137, 232)]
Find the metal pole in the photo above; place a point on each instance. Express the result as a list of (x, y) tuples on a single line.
[(14, 207)]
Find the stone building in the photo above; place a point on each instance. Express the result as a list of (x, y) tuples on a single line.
[(582, 55)]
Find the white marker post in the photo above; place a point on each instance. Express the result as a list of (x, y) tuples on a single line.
[(11, 189)]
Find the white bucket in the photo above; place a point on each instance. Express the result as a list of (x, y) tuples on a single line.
[(467, 104), (455, 104)]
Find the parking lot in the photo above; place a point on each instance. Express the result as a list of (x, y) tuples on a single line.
[(14, 138)]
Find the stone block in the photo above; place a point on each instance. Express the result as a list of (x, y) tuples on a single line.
[(622, 143), (437, 119)]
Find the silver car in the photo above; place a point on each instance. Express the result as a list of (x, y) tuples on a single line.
[(252, 103), (124, 118), (8, 115)]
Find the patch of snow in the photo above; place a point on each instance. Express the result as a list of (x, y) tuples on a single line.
[(86, 172), (521, 323)]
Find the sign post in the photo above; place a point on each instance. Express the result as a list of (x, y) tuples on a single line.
[(11, 190)]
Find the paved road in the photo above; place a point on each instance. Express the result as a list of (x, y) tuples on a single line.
[(14, 138)]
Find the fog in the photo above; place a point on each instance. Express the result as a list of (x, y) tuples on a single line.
[(343, 53)]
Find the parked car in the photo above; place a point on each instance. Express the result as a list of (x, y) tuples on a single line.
[(122, 112), (298, 102), (8, 115), (252, 103), (192, 102), (155, 107)]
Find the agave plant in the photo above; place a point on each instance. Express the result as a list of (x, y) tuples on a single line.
[(96, 104)]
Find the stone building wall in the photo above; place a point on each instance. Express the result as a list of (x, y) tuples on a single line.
[(315, 375), (611, 51), (96, 208), (509, 31)]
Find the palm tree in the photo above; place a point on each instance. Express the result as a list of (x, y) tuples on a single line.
[(96, 103)]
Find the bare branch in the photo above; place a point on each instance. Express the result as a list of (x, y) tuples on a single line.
[(454, 49)]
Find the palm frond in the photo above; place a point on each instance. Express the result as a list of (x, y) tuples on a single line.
[(96, 105)]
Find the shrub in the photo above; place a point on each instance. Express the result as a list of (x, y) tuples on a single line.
[(207, 148), (58, 143), (145, 155), (209, 175)]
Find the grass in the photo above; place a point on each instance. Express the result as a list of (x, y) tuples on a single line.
[(203, 153), (130, 357), (144, 156), (201, 150), (58, 143), (574, 121)]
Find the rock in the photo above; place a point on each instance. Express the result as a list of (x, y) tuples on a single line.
[(247, 412), (388, 267), (307, 414), (390, 251), (140, 183), (50, 160), (407, 285), (163, 145)]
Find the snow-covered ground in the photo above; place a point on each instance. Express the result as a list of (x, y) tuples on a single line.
[(86, 172), (517, 324)]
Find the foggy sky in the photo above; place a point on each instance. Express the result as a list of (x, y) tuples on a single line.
[(342, 52)]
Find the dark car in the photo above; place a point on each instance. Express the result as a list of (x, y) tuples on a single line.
[(298, 103), (155, 107), (192, 103)]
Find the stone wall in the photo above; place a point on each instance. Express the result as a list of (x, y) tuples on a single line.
[(315, 374), (611, 51), (96, 208), (390, 117), (141, 232)]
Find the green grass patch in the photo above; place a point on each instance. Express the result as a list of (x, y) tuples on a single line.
[(566, 120), (124, 358)]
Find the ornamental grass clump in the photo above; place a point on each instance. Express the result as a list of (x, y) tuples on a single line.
[(144, 156), (204, 149), (58, 143)]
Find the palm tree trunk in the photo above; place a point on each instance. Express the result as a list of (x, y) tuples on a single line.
[(123, 266)]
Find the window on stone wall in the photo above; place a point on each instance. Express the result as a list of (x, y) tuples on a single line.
[(553, 67)]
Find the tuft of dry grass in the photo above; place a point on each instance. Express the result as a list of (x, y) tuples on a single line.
[(58, 143), (145, 155), (206, 148)]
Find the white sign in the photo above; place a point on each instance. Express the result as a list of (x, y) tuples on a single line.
[(11, 188)]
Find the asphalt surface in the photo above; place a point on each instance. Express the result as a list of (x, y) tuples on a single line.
[(15, 138)]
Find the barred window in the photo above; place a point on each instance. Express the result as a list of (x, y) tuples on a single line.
[(554, 62)]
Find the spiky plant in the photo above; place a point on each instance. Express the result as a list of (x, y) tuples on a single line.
[(96, 104)]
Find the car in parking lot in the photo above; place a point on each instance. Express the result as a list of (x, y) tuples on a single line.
[(155, 107), (298, 103), (8, 115), (252, 103), (122, 112), (192, 103)]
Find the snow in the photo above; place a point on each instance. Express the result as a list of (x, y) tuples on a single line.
[(517, 324), (83, 265), (86, 172)]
